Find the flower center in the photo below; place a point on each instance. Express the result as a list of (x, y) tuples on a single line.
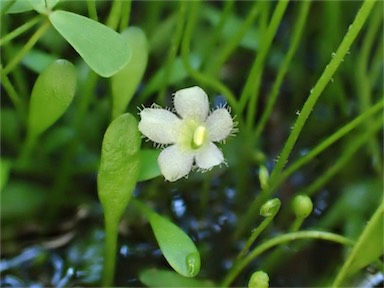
[(199, 137)]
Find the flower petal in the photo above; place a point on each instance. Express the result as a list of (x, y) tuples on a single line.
[(192, 102), (175, 163), (209, 156), (219, 124), (159, 125)]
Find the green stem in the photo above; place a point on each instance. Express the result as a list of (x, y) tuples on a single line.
[(111, 236), (175, 43), (125, 14), (92, 11), (200, 77), (235, 40), (250, 93), (328, 142), (19, 30), (28, 46), (114, 14), (272, 97), (321, 235), (330, 69), (350, 151), (13, 95)]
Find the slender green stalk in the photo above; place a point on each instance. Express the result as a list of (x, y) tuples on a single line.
[(92, 11), (110, 249), (235, 40), (125, 14), (250, 93), (330, 69), (344, 158), (273, 208), (28, 46), (328, 142), (13, 95), (214, 37), (200, 77), (175, 43), (20, 30), (115, 14), (321, 235), (272, 96)]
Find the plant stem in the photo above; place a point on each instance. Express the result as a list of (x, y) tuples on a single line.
[(272, 96), (31, 42), (203, 78), (111, 236), (125, 14), (330, 69), (114, 14), (19, 30), (328, 142), (92, 11), (321, 235), (250, 93)]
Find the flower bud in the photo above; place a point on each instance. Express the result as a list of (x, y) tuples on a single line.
[(263, 177), (270, 208), (302, 206), (259, 279)]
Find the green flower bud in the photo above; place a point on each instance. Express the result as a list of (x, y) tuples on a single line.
[(263, 177), (302, 206), (259, 279), (270, 208)]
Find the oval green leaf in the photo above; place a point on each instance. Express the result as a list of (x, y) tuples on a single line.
[(119, 166), (149, 168), (102, 48), (125, 82), (18, 6), (163, 278), (51, 95)]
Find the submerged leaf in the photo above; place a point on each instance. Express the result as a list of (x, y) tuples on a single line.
[(51, 95), (102, 48)]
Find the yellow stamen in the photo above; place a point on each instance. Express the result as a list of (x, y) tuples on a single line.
[(199, 137)]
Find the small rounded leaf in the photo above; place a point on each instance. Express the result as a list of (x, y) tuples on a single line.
[(119, 166), (179, 250), (51, 95), (102, 48), (125, 82)]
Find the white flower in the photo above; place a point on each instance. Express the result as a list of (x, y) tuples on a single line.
[(191, 133)]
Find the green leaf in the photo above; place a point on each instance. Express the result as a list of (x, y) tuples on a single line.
[(37, 60), (125, 82), (5, 168), (163, 278), (119, 166), (43, 6), (51, 95), (18, 6), (178, 249), (102, 48), (149, 168), (369, 247)]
